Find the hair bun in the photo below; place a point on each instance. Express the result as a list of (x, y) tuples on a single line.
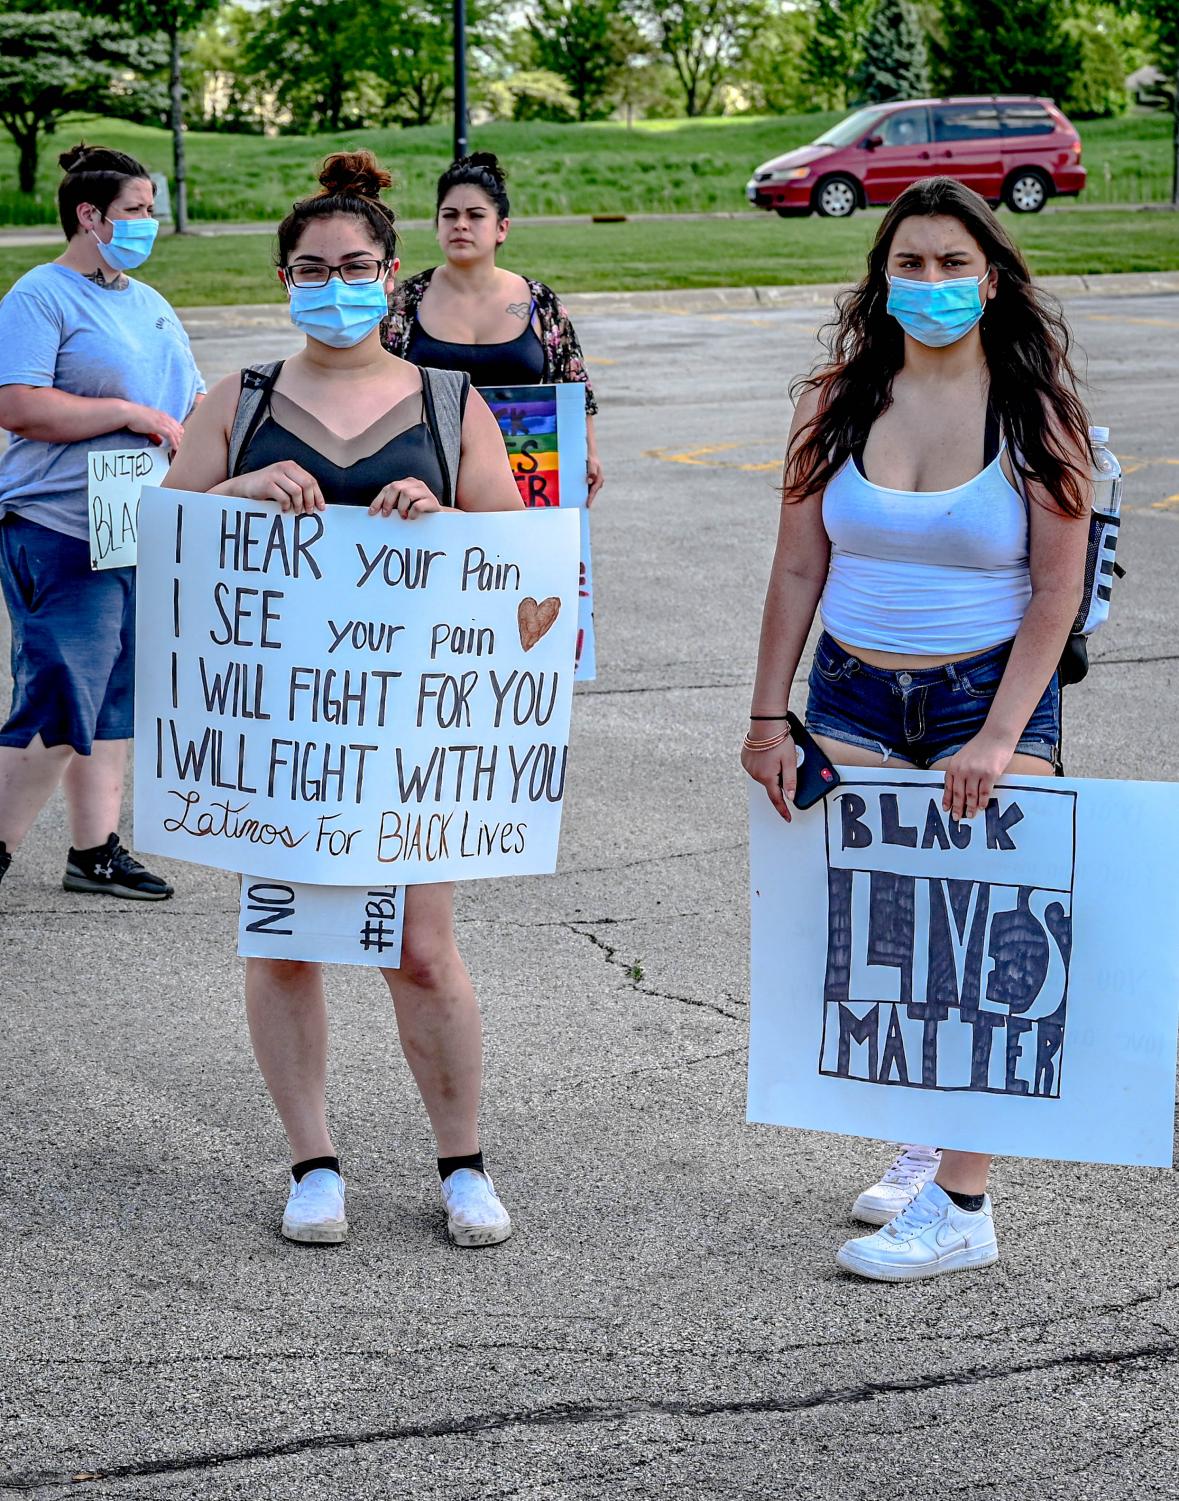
[(71, 160), (354, 172), (487, 161)]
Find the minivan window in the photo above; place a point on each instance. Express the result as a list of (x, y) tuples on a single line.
[(848, 130), (907, 127), (1026, 120), (964, 122)]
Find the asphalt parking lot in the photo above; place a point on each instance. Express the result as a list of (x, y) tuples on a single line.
[(668, 1319)]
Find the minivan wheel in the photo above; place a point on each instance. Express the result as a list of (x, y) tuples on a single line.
[(837, 197), (1026, 192)]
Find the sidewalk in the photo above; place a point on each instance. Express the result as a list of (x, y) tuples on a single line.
[(267, 315)]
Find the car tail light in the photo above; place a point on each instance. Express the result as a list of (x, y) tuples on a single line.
[(1077, 147)]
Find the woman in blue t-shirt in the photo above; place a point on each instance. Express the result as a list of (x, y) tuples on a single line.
[(89, 359)]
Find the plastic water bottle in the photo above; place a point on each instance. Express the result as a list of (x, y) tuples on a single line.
[(1107, 474)]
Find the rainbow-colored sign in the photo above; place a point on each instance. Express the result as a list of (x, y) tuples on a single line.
[(545, 433)]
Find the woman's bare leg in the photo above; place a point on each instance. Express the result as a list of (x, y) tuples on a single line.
[(289, 1031), (93, 787), (438, 1019), (28, 776)]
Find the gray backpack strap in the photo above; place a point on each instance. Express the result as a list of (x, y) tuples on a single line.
[(257, 382), (444, 400)]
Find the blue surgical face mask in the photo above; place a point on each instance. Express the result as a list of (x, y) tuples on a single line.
[(130, 244), (937, 313), (339, 315)]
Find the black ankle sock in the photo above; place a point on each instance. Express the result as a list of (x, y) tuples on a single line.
[(448, 1165), (972, 1203), (301, 1169), (92, 852)]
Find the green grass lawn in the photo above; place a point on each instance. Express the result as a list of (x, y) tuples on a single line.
[(198, 271), (661, 165)]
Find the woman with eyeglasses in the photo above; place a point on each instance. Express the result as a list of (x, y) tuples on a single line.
[(90, 358), (935, 497), (470, 314), (344, 422)]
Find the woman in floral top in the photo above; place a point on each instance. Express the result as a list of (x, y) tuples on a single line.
[(470, 314)]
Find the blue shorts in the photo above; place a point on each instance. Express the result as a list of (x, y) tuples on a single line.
[(73, 640), (923, 714)]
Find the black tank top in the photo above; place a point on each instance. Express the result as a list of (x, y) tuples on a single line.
[(516, 362), (350, 471)]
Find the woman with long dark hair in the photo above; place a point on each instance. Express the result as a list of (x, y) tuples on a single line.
[(935, 493), (473, 315), (90, 358), (345, 423)]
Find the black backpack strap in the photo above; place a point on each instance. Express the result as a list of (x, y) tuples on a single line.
[(444, 403), (257, 384)]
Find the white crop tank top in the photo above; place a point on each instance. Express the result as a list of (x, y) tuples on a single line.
[(925, 572)]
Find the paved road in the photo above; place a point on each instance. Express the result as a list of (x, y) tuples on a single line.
[(668, 1319)]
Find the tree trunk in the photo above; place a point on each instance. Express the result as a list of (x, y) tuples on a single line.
[(1175, 138), (179, 168), (27, 169)]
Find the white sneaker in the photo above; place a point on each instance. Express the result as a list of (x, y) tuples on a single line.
[(930, 1236), (911, 1170), (315, 1209), (474, 1214)]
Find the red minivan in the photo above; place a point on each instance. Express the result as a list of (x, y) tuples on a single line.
[(1017, 150)]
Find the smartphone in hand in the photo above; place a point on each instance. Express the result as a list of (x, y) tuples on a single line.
[(816, 775)]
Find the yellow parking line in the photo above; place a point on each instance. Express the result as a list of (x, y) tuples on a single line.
[(1120, 318), (699, 457), (1168, 504)]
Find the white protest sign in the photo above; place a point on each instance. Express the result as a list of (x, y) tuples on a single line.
[(115, 478), (1008, 984), (343, 699), (324, 924)]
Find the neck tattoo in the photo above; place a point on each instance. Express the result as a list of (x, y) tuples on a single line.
[(116, 284)]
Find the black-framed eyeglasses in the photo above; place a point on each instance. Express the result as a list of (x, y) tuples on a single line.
[(361, 272)]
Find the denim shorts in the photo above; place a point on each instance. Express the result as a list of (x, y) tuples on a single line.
[(923, 714), (73, 640)]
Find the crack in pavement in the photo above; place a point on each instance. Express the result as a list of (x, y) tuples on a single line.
[(1030, 1330), (580, 1414), (641, 989), (662, 688), (1132, 661)]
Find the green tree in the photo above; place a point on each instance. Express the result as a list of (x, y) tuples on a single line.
[(1163, 16), (1004, 47), (771, 69), (702, 39), (588, 43), (834, 48), (531, 94), (895, 60), (53, 62), (311, 52), (1109, 48), (171, 18), (220, 94)]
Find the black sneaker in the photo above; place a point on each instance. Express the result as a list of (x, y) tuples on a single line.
[(110, 871)]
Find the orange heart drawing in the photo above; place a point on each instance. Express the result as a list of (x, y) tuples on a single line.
[(535, 619)]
